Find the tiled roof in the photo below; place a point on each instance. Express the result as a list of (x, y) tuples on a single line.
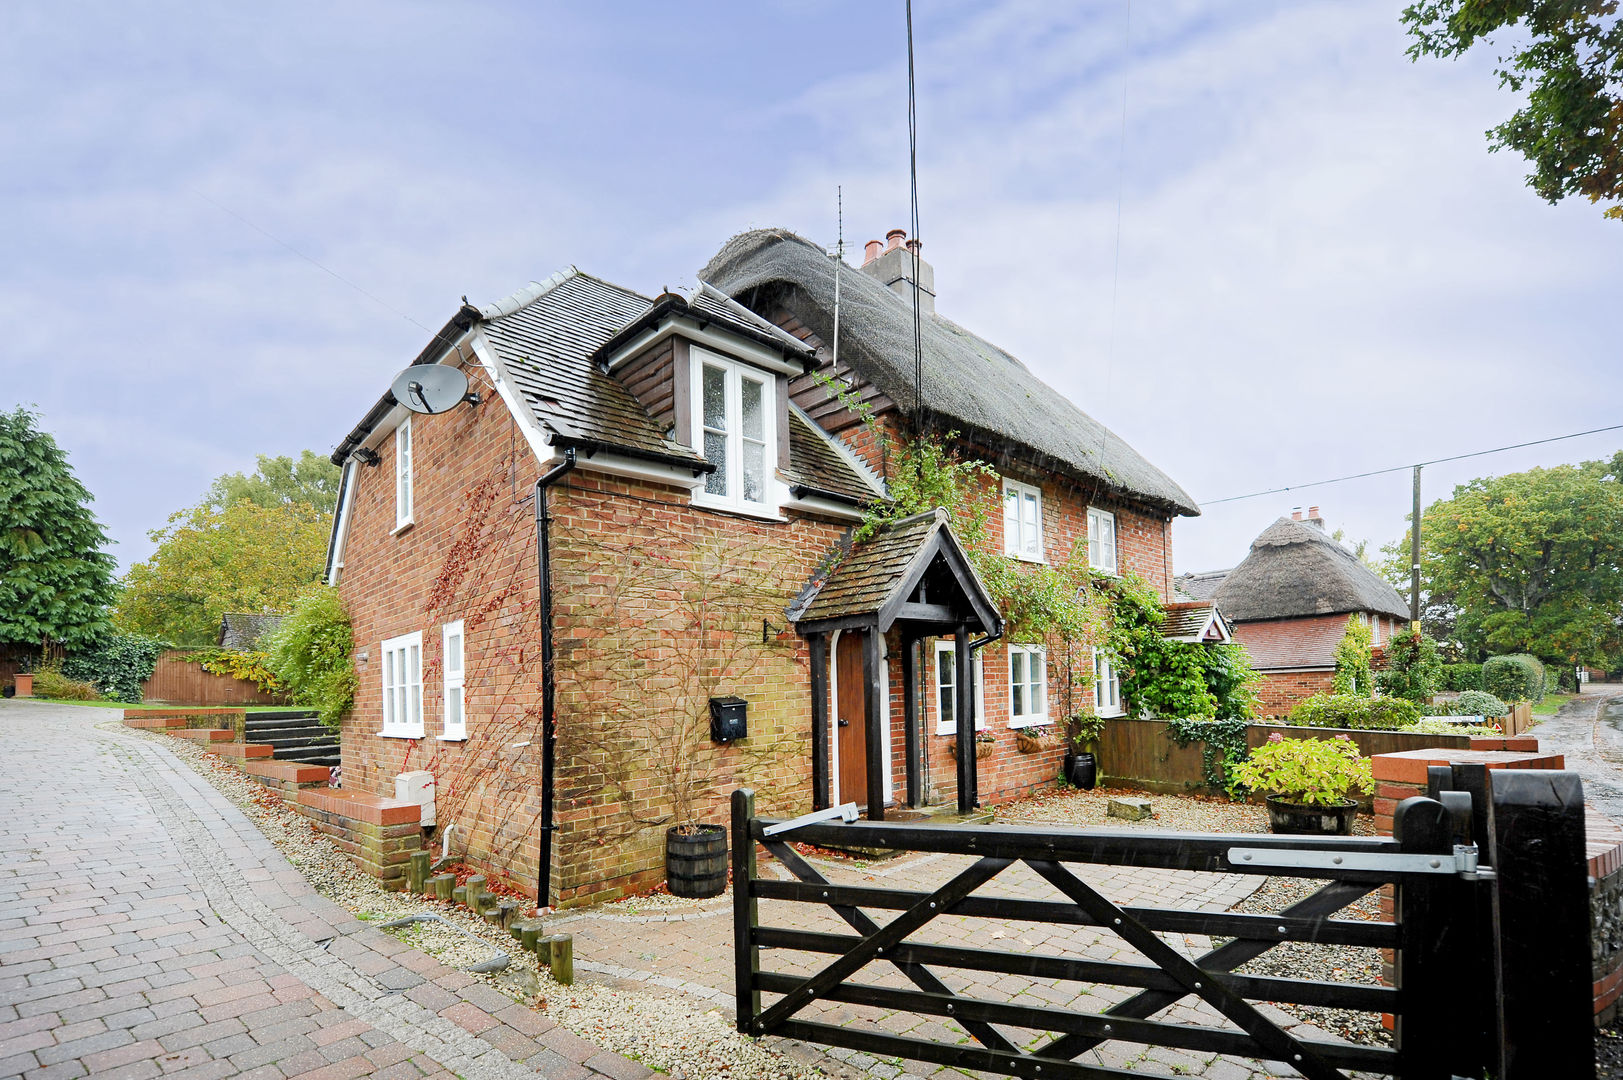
[(240, 630), (1188, 621), (867, 576), (815, 463), (1202, 585), (547, 346)]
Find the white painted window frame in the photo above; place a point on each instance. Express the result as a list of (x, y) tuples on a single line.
[(455, 682), (946, 722), (403, 474), (734, 372), (1015, 541), (1111, 680), (1095, 561), (1029, 654), (402, 678)]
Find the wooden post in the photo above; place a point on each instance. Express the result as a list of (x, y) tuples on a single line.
[(561, 958), (444, 885), (746, 915), (417, 871), (964, 717), (1546, 1008), (911, 743), (1434, 950), (822, 796), (873, 660)]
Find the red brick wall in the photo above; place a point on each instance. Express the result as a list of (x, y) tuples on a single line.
[(1280, 691)]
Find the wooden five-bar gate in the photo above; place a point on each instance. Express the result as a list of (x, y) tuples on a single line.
[(1489, 943)]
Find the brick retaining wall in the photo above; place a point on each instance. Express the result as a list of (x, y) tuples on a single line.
[(379, 834)]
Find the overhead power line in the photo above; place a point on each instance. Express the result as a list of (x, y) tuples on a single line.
[(1413, 465)]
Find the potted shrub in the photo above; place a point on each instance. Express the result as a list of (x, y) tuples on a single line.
[(1081, 764), (1307, 781), (696, 860)]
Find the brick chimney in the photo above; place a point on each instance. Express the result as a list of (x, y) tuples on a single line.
[(891, 263), (1296, 513), (1314, 518)]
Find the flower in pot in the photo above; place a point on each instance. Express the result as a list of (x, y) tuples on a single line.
[(1307, 781)]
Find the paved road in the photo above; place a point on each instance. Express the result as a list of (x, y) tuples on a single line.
[(1589, 731), (147, 929)]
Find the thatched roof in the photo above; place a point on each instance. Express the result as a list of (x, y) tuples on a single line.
[(969, 384), (1296, 569)]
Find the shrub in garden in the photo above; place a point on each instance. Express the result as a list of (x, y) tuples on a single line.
[(311, 654), (49, 682), (1357, 713), (1479, 703), (1413, 669), (1353, 675), (1318, 772), (1434, 725), (1460, 677), (1516, 677), (116, 663), (1566, 680)]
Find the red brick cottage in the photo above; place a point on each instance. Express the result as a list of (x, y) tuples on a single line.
[(1289, 604), (698, 470)]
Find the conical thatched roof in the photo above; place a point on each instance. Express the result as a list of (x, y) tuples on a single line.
[(1296, 569), (969, 384)]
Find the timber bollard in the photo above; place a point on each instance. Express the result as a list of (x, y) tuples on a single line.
[(507, 912), (417, 872), (561, 957), (459, 894), (475, 887), (531, 937), (443, 885)]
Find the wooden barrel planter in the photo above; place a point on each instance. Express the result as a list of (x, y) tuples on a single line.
[(1311, 819), (696, 860)]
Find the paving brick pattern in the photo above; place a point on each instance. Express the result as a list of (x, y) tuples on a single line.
[(692, 953), (148, 929)]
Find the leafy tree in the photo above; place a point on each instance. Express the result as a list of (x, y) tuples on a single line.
[(245, 557), (1352, 661), (280, 481), (1527, 562), (1568, 55), (55, 578), (1173, 679), (1413, 670), (310, 654)]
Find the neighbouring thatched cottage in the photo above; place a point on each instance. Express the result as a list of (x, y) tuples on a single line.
[(1289, 604), (652, 488)]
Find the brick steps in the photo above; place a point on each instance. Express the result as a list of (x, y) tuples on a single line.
[(206, 735), (295, 735), (240, 750)]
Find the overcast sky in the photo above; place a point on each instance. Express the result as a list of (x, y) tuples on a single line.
[(1321, 268)]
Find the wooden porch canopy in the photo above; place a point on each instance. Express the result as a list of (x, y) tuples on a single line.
[(912, 576)]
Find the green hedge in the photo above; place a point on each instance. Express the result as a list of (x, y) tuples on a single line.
[(117, 664), (1478, 703), (1462, 677), (1348, 711), (1517, 677)]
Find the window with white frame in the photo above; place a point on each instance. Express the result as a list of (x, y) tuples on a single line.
[(735, 409), (1102, 540), (1028, 685), (946, 678), (403, 686), (455, 721), (1022, 521), (1106, 685), (402, 474)]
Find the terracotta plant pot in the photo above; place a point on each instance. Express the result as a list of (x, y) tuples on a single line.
[(1311, 819)]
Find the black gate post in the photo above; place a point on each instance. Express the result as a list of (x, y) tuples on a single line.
[(1431, 952), (1546, 1013), (746, 915)]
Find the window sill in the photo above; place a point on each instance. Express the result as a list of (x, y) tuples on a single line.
[(1113, 714), (1018, 722), (1038, 559), (399, 735), (451, 738), (763, 514), (401, 527), (949, 730), (1109, 571)]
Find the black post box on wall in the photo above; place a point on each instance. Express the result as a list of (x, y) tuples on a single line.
[(727, 719)]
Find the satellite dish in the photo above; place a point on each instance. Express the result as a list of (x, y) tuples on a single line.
[(432, 388)]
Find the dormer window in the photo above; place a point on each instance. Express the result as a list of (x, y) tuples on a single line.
[(735, 407)]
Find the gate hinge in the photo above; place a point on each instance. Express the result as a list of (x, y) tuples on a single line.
[(1462, 863)]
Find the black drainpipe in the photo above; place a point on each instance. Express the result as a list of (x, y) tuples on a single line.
[(543, 558), (975, 647)]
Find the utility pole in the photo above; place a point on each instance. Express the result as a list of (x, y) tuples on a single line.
[(1414, 557)]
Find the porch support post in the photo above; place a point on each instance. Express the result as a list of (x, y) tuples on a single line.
[(910, 720), (964, 715), (822, 797), (873, 660)]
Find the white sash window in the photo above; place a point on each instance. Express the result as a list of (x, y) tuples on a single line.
[(403, 686)]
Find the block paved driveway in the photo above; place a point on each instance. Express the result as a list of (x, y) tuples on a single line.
[(692, 953), (147, 929)]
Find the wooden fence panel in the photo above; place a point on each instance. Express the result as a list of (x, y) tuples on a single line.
[(179, 680)]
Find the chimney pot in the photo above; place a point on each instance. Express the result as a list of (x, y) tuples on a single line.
[(874, 247), (915, 245), (894, 238), (1296, 513), (1312, 511)]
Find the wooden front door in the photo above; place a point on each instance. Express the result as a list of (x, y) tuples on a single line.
[(851, 716)]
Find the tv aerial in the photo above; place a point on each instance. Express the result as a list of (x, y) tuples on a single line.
[(432, 388)]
